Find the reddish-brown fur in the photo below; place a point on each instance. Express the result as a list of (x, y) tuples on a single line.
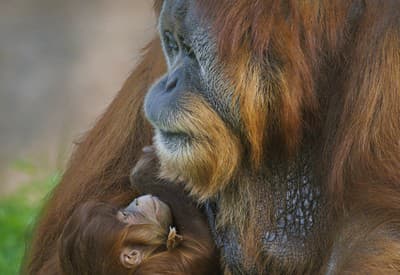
[(93, 238), (103, 159), (333, 71), (359, 40), (196, 255), (338, 76)]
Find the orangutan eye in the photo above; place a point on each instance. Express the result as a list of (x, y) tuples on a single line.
[(170, 42), (125, 215)]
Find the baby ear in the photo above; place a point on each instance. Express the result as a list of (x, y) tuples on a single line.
[(173, 238), (130, 257)]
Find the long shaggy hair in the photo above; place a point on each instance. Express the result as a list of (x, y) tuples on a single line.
[(318, 65)]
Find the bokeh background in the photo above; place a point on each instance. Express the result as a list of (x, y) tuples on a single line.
[(61, 63)]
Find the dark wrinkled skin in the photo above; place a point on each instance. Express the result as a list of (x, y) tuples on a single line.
[(297, 220)]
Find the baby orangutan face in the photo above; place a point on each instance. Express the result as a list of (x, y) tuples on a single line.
[(144, 210)]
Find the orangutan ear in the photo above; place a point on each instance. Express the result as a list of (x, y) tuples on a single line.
[(130, 257)]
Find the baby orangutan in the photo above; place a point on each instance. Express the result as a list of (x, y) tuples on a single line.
[(162, 232), (147, 210)]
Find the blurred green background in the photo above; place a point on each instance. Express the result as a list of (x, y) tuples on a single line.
[(17, 215), (61, 63)]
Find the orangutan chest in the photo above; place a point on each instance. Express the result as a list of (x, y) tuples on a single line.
[(279, 228)]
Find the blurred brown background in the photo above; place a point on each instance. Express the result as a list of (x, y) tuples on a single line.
[(61, 63)]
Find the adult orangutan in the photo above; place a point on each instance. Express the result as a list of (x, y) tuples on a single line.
[(282, 118)]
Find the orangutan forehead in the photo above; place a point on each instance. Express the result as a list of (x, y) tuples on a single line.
[(179, 16)]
